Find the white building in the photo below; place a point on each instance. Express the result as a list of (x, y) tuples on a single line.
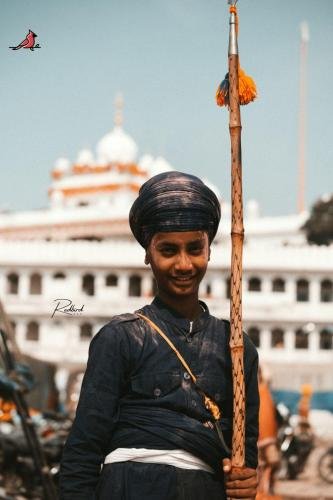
[(81, 249)]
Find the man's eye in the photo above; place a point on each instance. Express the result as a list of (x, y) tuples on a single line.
[(167, 252), (196, 250)]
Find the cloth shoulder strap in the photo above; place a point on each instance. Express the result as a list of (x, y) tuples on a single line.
[(209, 403), (170, 343)]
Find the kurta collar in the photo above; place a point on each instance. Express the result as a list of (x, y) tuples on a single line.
[(171, 316)]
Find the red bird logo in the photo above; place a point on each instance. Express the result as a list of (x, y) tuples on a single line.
[(28, 42)]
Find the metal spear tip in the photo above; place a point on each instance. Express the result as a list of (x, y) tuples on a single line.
[(232, 2)]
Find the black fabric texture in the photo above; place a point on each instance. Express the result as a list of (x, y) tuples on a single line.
[(174, 201), (136, 394), (137, 481)]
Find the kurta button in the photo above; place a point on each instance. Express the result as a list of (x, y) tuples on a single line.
[(187, 376), (194, 403), (157, 392)]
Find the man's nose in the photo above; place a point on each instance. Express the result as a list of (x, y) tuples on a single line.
[(184, 262)]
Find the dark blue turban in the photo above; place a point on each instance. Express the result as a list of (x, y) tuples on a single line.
[(174, 201)]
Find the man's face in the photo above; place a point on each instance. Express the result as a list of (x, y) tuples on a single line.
[(179, 261)]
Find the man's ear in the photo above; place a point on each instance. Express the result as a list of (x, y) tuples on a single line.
[(147, 260)]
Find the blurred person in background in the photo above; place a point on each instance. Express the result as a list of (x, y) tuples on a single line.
[(269, 452)]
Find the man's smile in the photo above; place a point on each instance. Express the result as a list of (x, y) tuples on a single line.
[(183, 279)]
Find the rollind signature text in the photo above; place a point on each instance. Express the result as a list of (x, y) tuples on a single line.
[(65, 306)]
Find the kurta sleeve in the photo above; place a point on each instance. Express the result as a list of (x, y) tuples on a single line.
[(251, 404), (102, 386)]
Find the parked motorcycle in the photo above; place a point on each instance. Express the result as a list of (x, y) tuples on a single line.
[(17, 469), (325, 466), (296, 443)]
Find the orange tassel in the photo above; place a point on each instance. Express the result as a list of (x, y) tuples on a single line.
[(246, 86)]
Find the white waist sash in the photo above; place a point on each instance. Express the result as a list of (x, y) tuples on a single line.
[(176, 458)]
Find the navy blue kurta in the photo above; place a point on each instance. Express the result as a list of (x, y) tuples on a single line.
[(136, 394)]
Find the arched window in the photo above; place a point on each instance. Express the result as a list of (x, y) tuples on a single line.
[(59, 276), (86, 332), (277, 338), (326, 291), (301, 339), (111, 280), (88, 284), (35, 287), (254, 284), (254, 334), (228, 287), (278, 285), (32, 331), (326, 339), (134, 286), (302, 290), (13, 325), (12, 283)]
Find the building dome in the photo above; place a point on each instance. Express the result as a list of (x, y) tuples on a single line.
[(252, 209), (85, 157), (116, 147), (213, 188), (61, 168), (62, 165)]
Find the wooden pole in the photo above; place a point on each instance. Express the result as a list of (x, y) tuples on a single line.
[(237, 236)]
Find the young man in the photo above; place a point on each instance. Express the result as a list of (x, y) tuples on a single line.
[(140, 414)]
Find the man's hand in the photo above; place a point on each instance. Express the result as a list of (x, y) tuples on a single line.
[(240, 482)]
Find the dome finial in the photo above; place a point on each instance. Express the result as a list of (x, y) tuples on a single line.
[(118, 115)]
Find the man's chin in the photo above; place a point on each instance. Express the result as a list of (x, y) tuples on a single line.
[(183, 289)]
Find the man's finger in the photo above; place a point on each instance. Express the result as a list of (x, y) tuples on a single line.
[(238, 473), (249, 498), (251, 482), (248, 494)]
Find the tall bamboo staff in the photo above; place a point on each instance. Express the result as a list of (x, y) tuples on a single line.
[(236, 89)]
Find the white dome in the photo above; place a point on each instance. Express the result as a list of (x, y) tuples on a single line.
[(159, 165), (212, 187), (146, 161), (116, 146), (252, 210), (62, 165), (85, 157), (225, 209)]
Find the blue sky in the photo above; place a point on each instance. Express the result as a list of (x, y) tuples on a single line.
[(167, 58)]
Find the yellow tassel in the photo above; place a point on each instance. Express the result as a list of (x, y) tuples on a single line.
[(246, 86), (212, 407)]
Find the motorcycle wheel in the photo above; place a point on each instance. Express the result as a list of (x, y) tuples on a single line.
[(325, 467)]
